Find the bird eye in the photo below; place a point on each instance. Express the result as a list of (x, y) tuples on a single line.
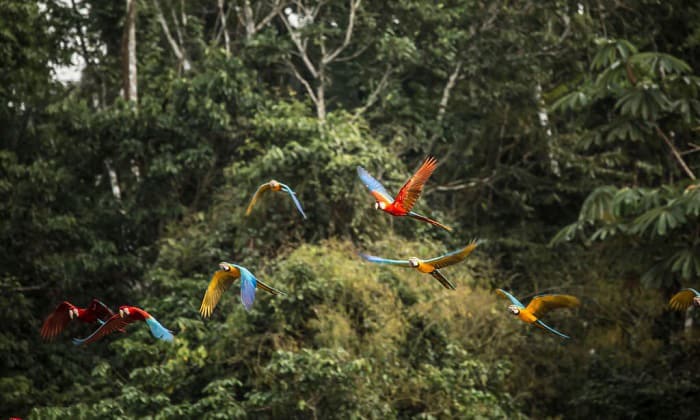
[(226, 268)]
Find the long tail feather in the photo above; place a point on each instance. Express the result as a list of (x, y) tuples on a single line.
[(270, 289), (443, 280), (159, 331), (550, 329), (429, 220)]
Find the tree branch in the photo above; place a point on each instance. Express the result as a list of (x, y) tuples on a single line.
[(222, 17), (442, 107), (675, 153), (173, 44), (348, 33), (372, 98), (304, 82), (276, 8), (301, 48)]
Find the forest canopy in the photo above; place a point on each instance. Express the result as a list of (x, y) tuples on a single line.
[(566, 135)]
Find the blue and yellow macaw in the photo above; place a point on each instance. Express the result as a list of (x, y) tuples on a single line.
[(274, 186), (431, 266), (538, 306), (683, 299), (224, 278)]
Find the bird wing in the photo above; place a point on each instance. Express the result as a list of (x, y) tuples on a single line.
[(683, 299), (56, 321), (159, 331), (411, 190), (550, 329), (294, 198), (261, 189), (270, 289), (220, 282), (248, 285), (454, 256), (375, 187), (512, 298), (100, 310), (378, 260), (113, 324), (443, 280), (540, 305)]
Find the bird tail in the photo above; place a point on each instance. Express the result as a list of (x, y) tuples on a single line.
[(159, 331), (429, 220), (550, 329), (270, 289), (443, 280)]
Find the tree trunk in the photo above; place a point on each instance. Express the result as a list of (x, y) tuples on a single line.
[(129, 81)]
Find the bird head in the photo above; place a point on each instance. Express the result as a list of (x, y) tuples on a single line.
[(413, 262), (696, 301), (124, 311), (275, 185), (225, 266), (73, 313), (379, 205), (514, 309)]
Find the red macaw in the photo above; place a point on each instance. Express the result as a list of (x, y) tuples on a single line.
[(65, 312), (126, 316), (402, 204)]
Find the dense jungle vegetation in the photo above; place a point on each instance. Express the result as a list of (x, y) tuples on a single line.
[(567, 134)]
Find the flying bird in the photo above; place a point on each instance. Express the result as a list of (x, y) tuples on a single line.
[(538, 306), (224, 278), (431, 266), (275, 186), (126, 316), (683, 299), (65, 312), (402, 204)]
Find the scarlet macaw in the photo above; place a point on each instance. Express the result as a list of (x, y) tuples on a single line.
[(433, 265), (126, 316), (407, 196), (683, 299), (274, 186), (65, 312), (224, 278), (538, 306)]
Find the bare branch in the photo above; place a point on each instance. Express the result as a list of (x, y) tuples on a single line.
[(304, 82), (276, 8), (249, 18), (447, 91), (300, 47), (354, 4), (222, 17), (372, 98), (129, 69), (173, 44), (675, 153)]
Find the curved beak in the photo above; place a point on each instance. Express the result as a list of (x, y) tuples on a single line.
[(121, 313), (71, 314)]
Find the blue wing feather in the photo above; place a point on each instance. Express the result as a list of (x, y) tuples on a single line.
[(550, 329), (294, 198), (372, 184), (512, 298), (248, 286), (372, 258), (159, 331)]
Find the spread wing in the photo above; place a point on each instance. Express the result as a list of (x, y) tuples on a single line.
[(261, 189), (540, 305), (683, 299), (113, 324), (378, 260), (411, 190), (375, 187), (56, 321), (270, 289), (159, 331), (510, 297), (454, 256), (248, 284), (294, 198), (220, 282), (443, 280), (100, 310)]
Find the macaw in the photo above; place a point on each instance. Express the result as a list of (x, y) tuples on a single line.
[(224, 278), (65, 312), (433, 265), (402, 204), (274, 186), (126, 316), (683, 299), (538, 306)]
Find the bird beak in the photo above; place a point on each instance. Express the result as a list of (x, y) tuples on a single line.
[(376, 205), (71, 314), (121, 313)]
